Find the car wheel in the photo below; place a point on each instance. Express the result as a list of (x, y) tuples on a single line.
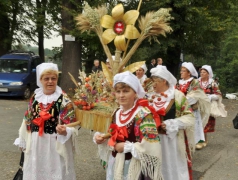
[(27, 93)]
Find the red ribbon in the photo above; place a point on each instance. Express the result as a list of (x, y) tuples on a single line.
[(40, 121), (145, 103), (161, 111), (118, 133)]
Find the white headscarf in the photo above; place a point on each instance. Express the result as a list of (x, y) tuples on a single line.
[(44, 66), (161, 65), (209, 70), (131, 80), (162, 72), (144, 67), (190, 67)]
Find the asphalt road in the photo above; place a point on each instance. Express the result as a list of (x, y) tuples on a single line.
[(217, 161)]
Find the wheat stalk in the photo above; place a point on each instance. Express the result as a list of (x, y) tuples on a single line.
[(74, 81)]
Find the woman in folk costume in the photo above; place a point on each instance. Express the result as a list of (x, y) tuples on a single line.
[(141, 73), (197, 99), (211, 88), (46, 141), (177, 128), (133, 151)]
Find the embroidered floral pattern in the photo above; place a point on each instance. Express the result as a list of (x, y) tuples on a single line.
[(62, 106), (67, 114), (183, 108), (145, 127), (189, 86)]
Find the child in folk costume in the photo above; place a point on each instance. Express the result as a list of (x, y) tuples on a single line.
[(211, 88), (46, 141), (134, 147), (177, 129), (197, 99)]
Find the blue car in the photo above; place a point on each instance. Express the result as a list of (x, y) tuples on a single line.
[(18, 74)]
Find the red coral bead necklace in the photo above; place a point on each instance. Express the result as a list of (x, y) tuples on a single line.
[(47, 108), (129, 114)]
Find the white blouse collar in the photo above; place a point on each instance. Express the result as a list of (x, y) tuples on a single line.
[(182, 81), (170, 93), (45, 99), (125, 112), (210, 80)]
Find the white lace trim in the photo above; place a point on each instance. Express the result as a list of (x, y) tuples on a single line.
[(171, 128), (129, 147), (94, 136), (45, 99), (20, 143), (62, 139)]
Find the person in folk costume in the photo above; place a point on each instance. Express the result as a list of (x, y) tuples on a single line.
[(43, 136), (211, 88), (177, 129), (141, 73), (135, 140), (197, 99)]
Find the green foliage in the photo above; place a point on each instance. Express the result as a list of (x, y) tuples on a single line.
[(228, 62), (204, 30)]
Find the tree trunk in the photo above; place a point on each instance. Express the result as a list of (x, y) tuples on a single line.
[(41, 7), (5, 44), (71, 61), (173, 60)]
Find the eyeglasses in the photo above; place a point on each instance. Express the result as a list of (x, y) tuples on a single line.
[(48, 79)]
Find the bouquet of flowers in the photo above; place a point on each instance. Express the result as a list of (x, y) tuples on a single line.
[(94, 92)]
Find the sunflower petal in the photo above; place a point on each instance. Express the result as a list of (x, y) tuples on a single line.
[(131, 16), (120, 42), (107, 21), (108, 35), (134, 66), (131, 32), (118, 12)]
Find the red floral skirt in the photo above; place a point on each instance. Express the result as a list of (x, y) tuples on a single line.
[(210, 127)]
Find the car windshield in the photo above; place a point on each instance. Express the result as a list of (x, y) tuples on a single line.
[(13, 66)]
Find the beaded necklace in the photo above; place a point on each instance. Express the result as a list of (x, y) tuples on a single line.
[(203, 84), (47, 108), (160, 103), (129, 114)]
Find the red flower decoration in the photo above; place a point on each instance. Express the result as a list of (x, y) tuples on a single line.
[(119, 27), (151, 136), (137, 131)]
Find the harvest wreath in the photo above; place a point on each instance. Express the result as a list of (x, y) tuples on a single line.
[(94, 94)]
